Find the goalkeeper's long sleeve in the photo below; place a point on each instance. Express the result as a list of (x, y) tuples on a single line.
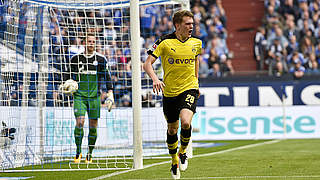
[(108, 80), (71, 69)]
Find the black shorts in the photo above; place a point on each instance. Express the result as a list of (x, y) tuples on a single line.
[(173, 105)]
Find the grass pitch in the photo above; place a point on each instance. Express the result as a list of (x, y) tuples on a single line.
[(242, 159)]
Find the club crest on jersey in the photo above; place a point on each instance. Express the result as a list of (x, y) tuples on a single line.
[(95, 63)]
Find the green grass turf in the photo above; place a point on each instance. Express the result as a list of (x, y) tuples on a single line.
[(285, 158)]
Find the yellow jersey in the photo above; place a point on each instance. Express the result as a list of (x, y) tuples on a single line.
[(178, 61)]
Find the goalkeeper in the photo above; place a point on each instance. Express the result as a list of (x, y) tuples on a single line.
[(89, 69)]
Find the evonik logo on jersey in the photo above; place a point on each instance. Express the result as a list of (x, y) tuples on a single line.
[(180, 61)]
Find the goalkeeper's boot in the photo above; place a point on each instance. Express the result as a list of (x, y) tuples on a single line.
[(88, 159), (77, 159), (175, 172), (183, 161)]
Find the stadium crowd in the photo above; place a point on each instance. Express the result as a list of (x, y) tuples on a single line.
[(288, 41)]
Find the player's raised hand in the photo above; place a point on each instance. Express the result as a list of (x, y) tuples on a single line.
[(158, 86)]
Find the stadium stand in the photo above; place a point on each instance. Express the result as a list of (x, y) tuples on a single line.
[(294, 26)]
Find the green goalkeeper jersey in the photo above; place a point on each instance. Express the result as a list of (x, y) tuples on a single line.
[(90, 72)]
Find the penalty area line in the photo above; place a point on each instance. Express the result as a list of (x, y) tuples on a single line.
[(195, 156)]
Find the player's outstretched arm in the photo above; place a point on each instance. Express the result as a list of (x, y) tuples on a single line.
[(157, 84)]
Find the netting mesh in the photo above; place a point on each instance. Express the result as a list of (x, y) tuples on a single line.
[(38, 39)]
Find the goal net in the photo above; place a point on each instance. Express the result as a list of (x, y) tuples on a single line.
[(37, 41)]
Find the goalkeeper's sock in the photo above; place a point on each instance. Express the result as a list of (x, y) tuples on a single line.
[(78, 135), (185, 135), (172, 142), (92, 138)]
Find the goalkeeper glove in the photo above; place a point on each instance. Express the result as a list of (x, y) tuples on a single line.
[(109, 100)]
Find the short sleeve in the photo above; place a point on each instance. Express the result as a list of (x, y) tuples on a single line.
[(198, 47)]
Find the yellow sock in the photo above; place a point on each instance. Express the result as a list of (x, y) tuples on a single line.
[(185, 136), (182, 149), (175, 158)]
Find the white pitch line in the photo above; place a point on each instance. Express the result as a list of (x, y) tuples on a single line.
[(246, 177), (195, 156)]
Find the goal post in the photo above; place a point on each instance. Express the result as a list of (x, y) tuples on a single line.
[(136, 84), (37, 40)]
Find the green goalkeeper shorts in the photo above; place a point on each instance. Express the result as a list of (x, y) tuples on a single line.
[(81, 105)]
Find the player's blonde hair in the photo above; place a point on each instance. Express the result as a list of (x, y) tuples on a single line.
[(178, 16)]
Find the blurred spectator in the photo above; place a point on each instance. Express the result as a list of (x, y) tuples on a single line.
[(164, 25), (148, 100), (214, 63), (76, 47), (314, 6), (271, 17), (16, 95), (307, 47), (313, 65), (277, 34), (317, 53), (14, 99), (307, 30), (273, 3), (303, 6), (148, 19), (117, 17), (277, 65), (260, 47), (219, 29), (200, 31), (222, 53), (317, 34), (291, 30), (203, 67), (305, 22), (295, 56), (289, 8), (293, 45), (297, 70), (110, 34), (220, 12), (199, 12), (125, 101)]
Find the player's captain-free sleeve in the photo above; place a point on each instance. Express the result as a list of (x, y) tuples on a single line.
[(199, 48)]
